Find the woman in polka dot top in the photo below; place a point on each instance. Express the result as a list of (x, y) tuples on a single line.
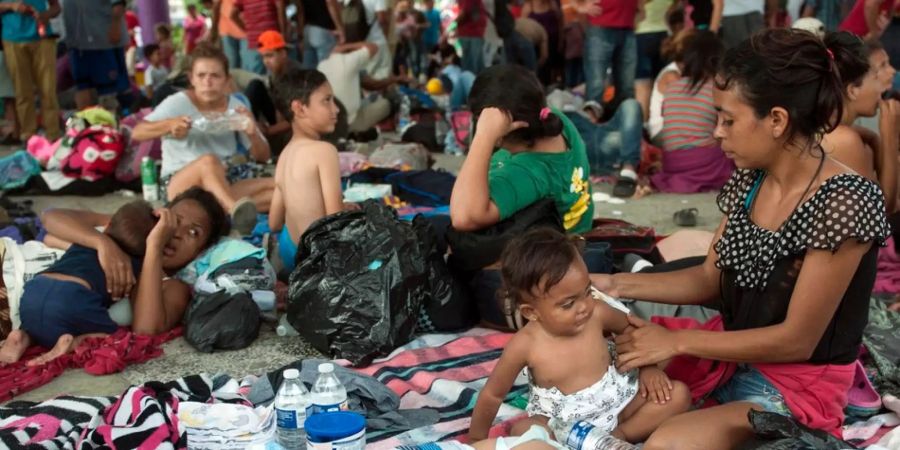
[(793, 262)]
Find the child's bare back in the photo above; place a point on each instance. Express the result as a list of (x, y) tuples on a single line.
[(307, 178)]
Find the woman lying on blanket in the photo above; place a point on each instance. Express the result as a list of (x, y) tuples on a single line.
[(793, 262), (133, 258)]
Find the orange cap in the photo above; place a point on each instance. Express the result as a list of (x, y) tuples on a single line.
[(271, 40)]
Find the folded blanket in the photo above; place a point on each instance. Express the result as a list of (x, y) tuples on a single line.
[(98, 356)]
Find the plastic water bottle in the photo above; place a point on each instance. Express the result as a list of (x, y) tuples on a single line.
[(405, 110), (328, 394), (291, 404), (284, 327), (581, 435), (215, 122)]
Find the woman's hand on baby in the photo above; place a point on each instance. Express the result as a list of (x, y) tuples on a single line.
[(116, 267), (655, 385), (605, 283), (163, 231), (496, 123), (647, 344)]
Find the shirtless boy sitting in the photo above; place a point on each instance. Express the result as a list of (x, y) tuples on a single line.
[(307, 177)]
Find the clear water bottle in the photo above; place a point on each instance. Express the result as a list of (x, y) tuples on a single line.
[(291, 404), (405, 110), (581, 435), (328, 394), (216, 122), (284, 327)]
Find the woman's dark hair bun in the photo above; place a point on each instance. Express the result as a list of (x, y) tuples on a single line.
[(517, 91), (552, 125)]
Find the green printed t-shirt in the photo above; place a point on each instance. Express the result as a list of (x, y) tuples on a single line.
[(518, 180)]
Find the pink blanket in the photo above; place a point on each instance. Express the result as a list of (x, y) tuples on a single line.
[(695, 170), (815, 394), (887, 278)]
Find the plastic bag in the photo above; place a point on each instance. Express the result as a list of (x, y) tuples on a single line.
[(360, 284), (17, 169), (222, 321), (777, 432)]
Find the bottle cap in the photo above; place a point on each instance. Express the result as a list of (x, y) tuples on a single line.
[(291, 374), (326, 368)]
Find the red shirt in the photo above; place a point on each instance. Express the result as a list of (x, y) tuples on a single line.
[(615, 14), (131, 22), (856, 20), (476, 20), (259, 16)]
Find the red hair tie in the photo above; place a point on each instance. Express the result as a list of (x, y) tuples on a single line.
[(545, 113)]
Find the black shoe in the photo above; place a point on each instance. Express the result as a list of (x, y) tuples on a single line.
[(624, 187)]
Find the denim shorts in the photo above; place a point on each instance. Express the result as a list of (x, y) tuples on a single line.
[(749, 385)]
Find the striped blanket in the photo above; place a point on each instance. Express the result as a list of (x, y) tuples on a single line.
[(444, 372)]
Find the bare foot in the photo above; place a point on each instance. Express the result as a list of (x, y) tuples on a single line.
[(14, 346), (63, 345), (895, 306)]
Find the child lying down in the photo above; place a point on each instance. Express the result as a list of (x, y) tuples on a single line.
[(565, 353)]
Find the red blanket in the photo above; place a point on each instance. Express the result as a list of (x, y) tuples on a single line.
[(815, 394), (98, 356)]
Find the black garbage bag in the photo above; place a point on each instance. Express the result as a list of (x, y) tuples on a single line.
[(448, 306), (359, 285), (222, 321), (776, 432)]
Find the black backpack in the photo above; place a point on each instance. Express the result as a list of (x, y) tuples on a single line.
[(356, 24)]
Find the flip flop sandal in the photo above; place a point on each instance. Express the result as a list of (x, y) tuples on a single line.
[(686, 217), (624, 187), (862, 398)]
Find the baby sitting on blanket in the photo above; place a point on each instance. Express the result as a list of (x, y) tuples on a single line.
[(70, 299), (565, 353)]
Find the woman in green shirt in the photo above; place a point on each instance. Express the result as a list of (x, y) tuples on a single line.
[(541, 155)]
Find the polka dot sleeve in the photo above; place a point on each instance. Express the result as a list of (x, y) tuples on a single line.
[(735, 191), (850, 207)]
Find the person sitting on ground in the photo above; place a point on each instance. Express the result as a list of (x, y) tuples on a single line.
[(156, 74), (541, 156), (344, 70), (572, 374), (793, 262), (278, 63), (191, 157), (71, 297), (163, 33), (673, 49), (308, 175), (692, 159), (859, 148), (457, 82), (612, 146)]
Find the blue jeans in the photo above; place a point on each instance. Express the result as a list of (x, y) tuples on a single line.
[(317, 45), (574, 72), (605, 47), (472, 54), (520, 51), (614, 143), (234, 50), (749, 385)]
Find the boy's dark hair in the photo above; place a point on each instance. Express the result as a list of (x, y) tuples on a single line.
[(163, 29), (850, 56), (873, 45), (149, 50), (791, 69), (218, 220), (517, 91), (296, 85), (130, 226), (700, 57), (539, 259), (448, 51), (206, 50)]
